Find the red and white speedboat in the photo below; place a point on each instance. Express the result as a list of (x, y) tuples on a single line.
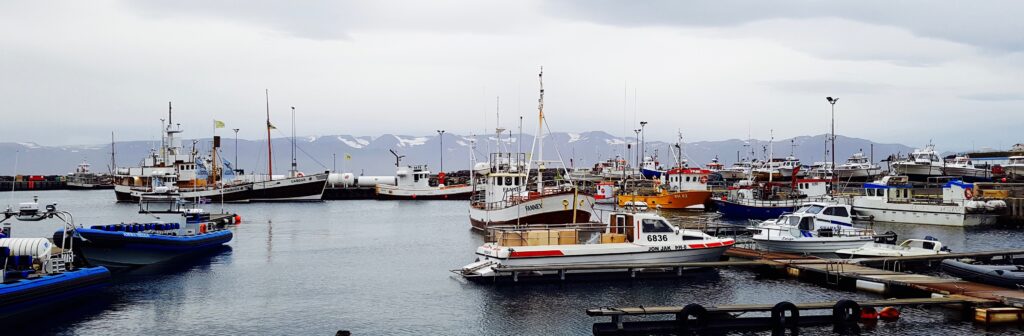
[(624, 238)]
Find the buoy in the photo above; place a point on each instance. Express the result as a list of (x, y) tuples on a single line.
[(238, 219), (445, 196), (868, 314), (889, 314), (202, 228), (968, 193), (413, 196)]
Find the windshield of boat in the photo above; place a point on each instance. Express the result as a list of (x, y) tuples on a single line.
[(651, 225), (811, 209)]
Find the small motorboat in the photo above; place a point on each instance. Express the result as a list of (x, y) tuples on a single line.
[(37, 275), (908, 248), (129, 245), (1011, 276), (630, 237), (814, 228)]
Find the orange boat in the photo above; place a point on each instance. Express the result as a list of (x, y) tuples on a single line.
[(682, 188)]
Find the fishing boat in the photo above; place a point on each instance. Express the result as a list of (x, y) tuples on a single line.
[(506, 193), (768, 200), (39, 276), (962, 167), (413, 182), (819, 170), (651, 168), (616, 169), (714, 166), (195, 176), (858, 168), (625, 237), (908, 248), (84, 179), (892, 199), (1010, 276), (605, 193), (738, 171), (130, 245), (920, 165), (683, 188), (814, 228)]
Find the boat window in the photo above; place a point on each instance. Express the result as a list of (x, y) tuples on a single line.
[(688, 237), (656, 225), (836, 211), (814, 209), (794, 220), (805, 223)]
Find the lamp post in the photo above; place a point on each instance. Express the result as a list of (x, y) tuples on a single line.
[(440, 135), (236, 149), (643, 143), (833, 102)]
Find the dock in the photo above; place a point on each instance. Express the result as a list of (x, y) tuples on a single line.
[(694, 318)]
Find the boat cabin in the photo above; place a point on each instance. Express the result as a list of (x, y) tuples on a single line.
[(620, 227), (827, 213), (413, 177), (714, 165), (687, 179)]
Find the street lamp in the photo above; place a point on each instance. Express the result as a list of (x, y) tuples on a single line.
[(643, 143), (440, 135), (833, 101), (236, 149)]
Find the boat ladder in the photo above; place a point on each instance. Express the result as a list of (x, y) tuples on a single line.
[(833, 272)]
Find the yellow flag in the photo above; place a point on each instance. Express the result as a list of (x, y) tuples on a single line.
[(348, 156), (218, 124)]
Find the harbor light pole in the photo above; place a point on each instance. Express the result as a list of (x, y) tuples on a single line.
[(643, 143), (833, 102), (440, 135), (236, 149)]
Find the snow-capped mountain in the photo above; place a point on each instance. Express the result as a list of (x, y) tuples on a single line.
[(370, 154)]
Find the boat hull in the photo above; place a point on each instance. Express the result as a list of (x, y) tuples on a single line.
[(750, 211), (120, 250), (824, 245), (459, 192), (651, 173), (989, 274), (307, 188), (549, 209), (27, 296), (669, 200), (946, 215)]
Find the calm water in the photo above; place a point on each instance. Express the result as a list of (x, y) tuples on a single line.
[(381, 268)]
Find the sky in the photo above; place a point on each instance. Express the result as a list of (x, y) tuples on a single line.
[(906, 72)]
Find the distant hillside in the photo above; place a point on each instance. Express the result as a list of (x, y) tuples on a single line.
[(369, 155)]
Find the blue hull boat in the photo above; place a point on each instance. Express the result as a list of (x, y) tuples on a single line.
[(760, 211), (136, 245), (25, 296), (651, 173)]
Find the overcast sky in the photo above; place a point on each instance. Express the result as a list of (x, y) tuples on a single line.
[(906, 71)]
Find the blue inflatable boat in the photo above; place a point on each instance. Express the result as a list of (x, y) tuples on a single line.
[(123, 246)]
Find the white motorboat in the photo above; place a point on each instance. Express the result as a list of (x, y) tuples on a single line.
[(963, 167), (858, 167), (891, 200), (908, 248), (626, 237), (1015, 167), (737, 171), (922, 164), (606, 193), (813, 228)]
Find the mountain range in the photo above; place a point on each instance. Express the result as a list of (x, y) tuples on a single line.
[(370, 155)]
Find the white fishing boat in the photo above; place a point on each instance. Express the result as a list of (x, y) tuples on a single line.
[(737, 171), (506, 193), (963, 167), (819, 170), (858, 167), (606, 193), (908, 248), (813, 228), (627, 237), (920, 165), (413, 182), (892, 200)]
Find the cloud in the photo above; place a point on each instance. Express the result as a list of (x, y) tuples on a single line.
[(828, 87), (995, 97), (990, 24)]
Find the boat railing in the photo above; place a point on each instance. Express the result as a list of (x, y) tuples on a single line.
[(552, 234)]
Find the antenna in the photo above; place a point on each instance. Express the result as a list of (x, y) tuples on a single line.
[(398, 158)]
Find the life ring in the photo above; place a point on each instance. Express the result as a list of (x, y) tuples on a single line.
[(300, 174), (704, 179), (968, 193)]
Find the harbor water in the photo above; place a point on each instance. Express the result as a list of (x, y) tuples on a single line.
[(382, 268)]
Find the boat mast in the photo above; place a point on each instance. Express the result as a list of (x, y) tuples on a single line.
[(113, 163), (540, 134), (771, 155), (295, 167), (270, 151)]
